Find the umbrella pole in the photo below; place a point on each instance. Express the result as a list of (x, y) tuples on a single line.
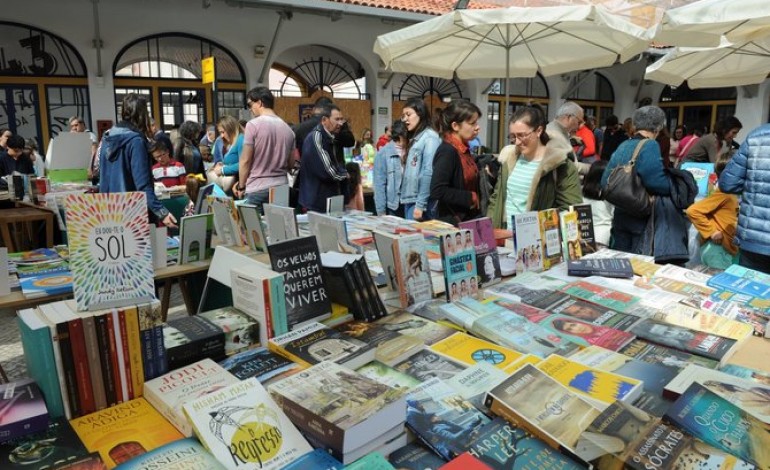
[(507, 79)]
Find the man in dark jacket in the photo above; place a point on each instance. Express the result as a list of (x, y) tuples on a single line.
[(323, 176), (14, 160)]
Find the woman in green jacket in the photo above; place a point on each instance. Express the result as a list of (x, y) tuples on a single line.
[(535, 173)]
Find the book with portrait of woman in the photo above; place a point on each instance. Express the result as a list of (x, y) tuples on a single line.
[(412, 270), (528, 242), (458, 254)]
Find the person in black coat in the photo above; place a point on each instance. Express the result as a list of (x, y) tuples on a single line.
[(14, 159), (454, 188)]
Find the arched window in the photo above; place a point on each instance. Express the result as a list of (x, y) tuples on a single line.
[(594, 93), (700, 108), (314, 75)]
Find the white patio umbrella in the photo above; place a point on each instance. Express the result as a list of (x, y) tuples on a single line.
[(512, 42), (703, 23), (726, 65)]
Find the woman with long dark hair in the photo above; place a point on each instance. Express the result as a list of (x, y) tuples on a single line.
[(709, 147), (422, 144), (186, 148)]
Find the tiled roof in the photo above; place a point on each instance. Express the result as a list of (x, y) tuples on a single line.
[(429, 7)]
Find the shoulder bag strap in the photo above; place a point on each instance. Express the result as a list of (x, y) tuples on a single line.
[(637, 150)]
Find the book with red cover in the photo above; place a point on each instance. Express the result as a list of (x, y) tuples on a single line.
[(82, 370), (465, 461)]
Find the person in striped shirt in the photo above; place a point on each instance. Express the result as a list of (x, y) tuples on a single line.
[(166, 170)]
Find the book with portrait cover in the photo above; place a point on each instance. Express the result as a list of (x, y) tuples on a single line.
[(714, 420), (458, 253), (550, 232), (580, 332), (299, 261), (528, 242), (316, 342), (596, 314), (110, 249), (243, 428), (637, 441), (483, 234), (260, 363), (124, 431), (718, 348), (57, 443), (532, 400), (187, 454), (412, 270)]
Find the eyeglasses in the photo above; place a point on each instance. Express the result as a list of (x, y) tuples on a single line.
[(249, 104), (521, 136), (579, 119)]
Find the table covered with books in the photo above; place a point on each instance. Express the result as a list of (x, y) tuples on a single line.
[(376, 342)]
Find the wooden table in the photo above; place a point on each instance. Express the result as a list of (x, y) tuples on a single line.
[(20, 218)]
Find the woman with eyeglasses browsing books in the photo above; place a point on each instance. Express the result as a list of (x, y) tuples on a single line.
[(535, 171)]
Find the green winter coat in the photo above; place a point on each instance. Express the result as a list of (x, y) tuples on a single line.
[(555, 185)]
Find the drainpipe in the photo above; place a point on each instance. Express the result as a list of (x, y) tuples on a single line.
[(97, 39)]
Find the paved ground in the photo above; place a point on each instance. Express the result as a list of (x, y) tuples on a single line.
[(12, 354)]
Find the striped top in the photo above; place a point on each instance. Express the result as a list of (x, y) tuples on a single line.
[(171, 175), (518, 186)]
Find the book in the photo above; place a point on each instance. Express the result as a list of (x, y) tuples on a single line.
[(371, 461), (441, 419), (473, 383), (190, 339), (703, 174), (596, 314), (582, 332), (41, 268), (56, 443), (469, 350), (342, 409), (701, 320), (499, 444), (281, 223), (530, 289), (260, 363), (740, 284), (384, 244), (22, 409), (635, 440), (390, 346), (714, 420), (124, 431), (46, 285), (458, 254), (300, 263), (425, 364), (317, 459), (428, 332), (241, 330), (349, 283), (412, 271), (596, 386), (279, 195), (243, 427), (195, 233), (38, 342), (607, 267), (483, 234), (570, 235), (534, 401), (718, 348), (316, 342), (34, 256), (550, 234), (528, 242), (169, 392), (110, 249), (259, 292), (252, 226), (658, 354), (465, 461), (757, 376), (489, 269), (415, 457), (606, 296), (187, 454), (387, 375), (226, 221), (331, 233)]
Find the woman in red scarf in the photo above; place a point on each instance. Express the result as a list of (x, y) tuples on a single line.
[(454, 188)]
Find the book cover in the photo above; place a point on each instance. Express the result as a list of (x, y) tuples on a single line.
[(387, 375), (424, 365), (740, 284), (683, 275), (528, 242), (341, 408), (190, 339), (483, 234), (703, 174), (441, 419), (700, 320), (610, 298), (371, 461), (465, 461), (90, 462), (635, 440), (707, 345), (124, 431), (243, 427), (34, 256), (607, 267), (195, 233), (596, 314), (585, 218), (489, 270), (582, 332), (469, 350), (38, 342), (45, 285), (260, 363), (598, 387), (473, 383), (412, 270), (110, 249), (458, 253), (315, 460), (428, 332), (41, 268), (534, 401), (531, 289), (550, 233), (241, 330), (252, 225), (752, 375), (253, 289), (658, 354), (281, 223), (170, 391), (415, 457), (570, 235), (226, 220), (300, 263), (22, 409), (391, 346), (331, 233), (187, 454), (55, 444), (316, 342), (712, 419)]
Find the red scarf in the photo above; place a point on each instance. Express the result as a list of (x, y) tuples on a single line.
[(470, 170)]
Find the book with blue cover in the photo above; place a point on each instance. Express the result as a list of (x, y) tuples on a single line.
[(740, 284), (704, 177), (188, 454), (318, 459), (46, 285)]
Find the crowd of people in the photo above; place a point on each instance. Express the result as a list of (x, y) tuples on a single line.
[(428, 167)]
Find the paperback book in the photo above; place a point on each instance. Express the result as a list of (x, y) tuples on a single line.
[(187, 454), (415, 457), (281, 223), (387, 375), (227, 221), (586, 226), (596, 314), (260, 363), (739, 284), (570, 235), (316, 342), (55, 444), (473, 383), (458, 253), (718, 348), (550, 233), (252, 225), (528, 242), (391, 346), (22, 409), (195, 233), (241, 331), (607, 267), (469, 350), (412, 270), (428, 332), (601, 295), (658, 354), (531, 289), (425, 364), (45, 285)]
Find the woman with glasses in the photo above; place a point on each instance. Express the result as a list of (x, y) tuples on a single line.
[(535, 171)]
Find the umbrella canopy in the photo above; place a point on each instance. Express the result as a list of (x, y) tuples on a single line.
[(726, 65), (703, 23)]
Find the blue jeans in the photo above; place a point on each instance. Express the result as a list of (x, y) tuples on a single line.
[(258, 198), (755, 261), (409, 211)]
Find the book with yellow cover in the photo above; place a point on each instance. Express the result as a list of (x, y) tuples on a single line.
[(469, 350), (597, 386), (124, 431), (522, 361), (701, 320)]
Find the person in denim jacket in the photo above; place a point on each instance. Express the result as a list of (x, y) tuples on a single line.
[(388, 170), (423, 142)]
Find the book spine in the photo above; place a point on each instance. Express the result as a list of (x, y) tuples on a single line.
[(323, 431), (62, 383), (105, 359), (116, 351), (268, 317), (135, 351), (38, 347), (148, 352), (82, 370), (354, 285), (278, 305), (379, 305), (161, 362), (403, 293), (124, 355), (68, 367), (280, 350), (94, 363)]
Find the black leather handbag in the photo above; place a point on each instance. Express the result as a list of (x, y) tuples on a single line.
[(625, 189)]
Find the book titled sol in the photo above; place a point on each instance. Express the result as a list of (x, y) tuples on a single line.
[(111, 243)]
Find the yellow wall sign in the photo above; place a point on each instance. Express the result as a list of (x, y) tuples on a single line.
[(207, 68)]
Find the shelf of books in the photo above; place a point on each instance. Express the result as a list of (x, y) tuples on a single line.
[(377, 342)]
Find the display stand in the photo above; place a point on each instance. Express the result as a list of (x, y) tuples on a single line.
[(218, 280)]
